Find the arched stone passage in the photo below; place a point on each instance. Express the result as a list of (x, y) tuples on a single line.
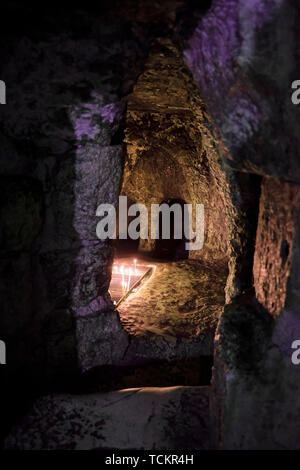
[(173, 153)]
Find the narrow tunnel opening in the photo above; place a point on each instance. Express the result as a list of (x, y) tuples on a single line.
[(170, 310), (172, 314)]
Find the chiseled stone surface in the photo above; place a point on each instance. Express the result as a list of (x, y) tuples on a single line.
[(143, 418), (279, 206)]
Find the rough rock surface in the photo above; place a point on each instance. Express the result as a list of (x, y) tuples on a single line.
[(181, 299), (175, 313), (61, 158), (173, 154), (255, 384), (279, 205), (244, 55), (144, 418), (255, 387)]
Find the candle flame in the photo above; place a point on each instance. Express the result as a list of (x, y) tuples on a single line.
[(126, 272)]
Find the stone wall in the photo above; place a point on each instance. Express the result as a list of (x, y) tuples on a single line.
[(279, 204), (243, 55), (61, 158)]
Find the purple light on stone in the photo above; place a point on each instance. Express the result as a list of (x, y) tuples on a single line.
[(84, 120), (286, 331), (111, 112), (220, 38), (219, 54), (211, 47), (83, 127)]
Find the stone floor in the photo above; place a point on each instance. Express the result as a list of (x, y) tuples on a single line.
[(173, 314), (142, 418), (180, 299)]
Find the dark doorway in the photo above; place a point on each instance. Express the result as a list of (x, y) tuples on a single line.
[(172, 249)]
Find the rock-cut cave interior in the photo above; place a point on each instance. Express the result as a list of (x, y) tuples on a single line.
[(143, 343)]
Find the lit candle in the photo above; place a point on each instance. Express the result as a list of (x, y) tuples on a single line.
[(123, 288), (129, 275)]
